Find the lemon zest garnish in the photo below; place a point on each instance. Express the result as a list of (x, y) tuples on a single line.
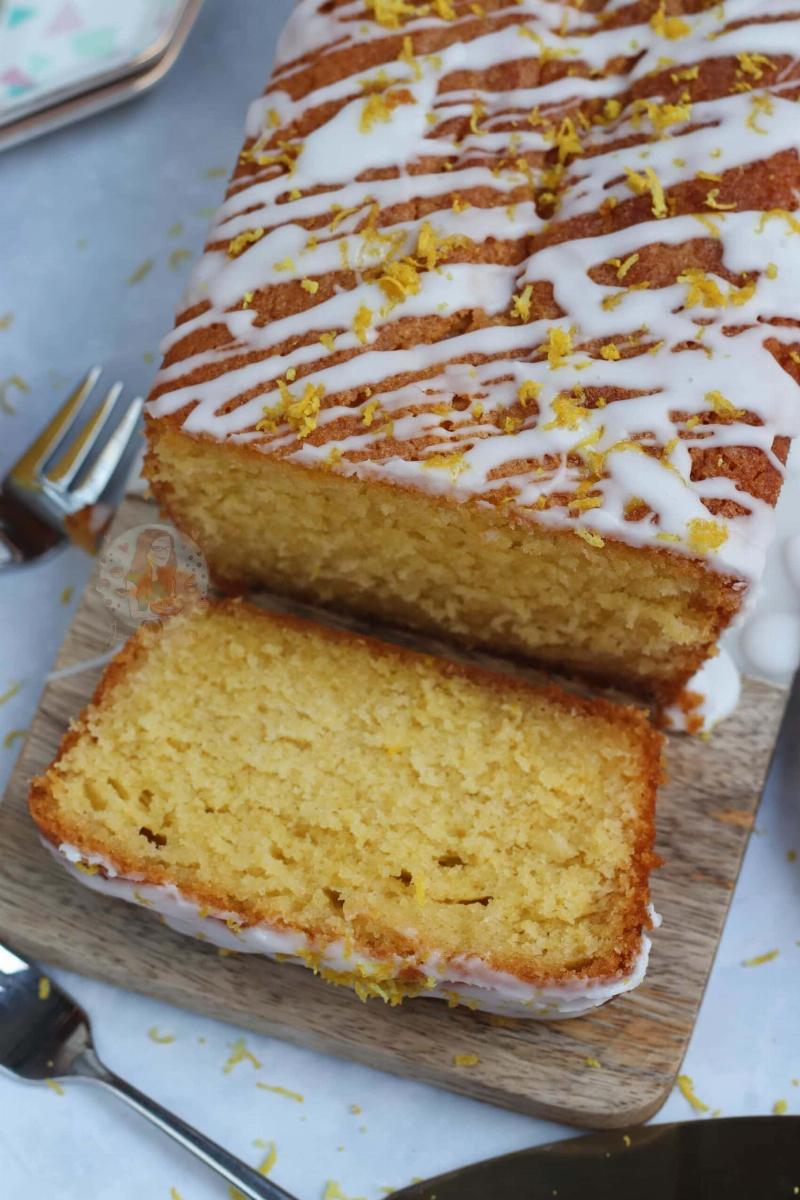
[(708, 222), (526, 392), (310, 285), (465, 1060), (546, 52), (705, 291), (590, 537), (671, 28), (521, 304), (328, 340), (454, 463), (406, 56), (711, 201), (285, 264), (161, 1039), (611, 109), (661, 115), (268, 1161), (584, 503), (379, 107), (623, 266), (280, 1091), (569, 412), (430, 247), (771, 271), (613, 300), (44, 988), (334, 1192), (780, 1107), (240, 1053), (761, 106), (705, 535), (648, 182), (751, 64), (686, 1088), (723, 407), (779, 213), (760, 959), (478, 111), (243, 240), (10, 692), (362, 322), (368, 415), (610, 352), (389, 13), (565, 138), (340, 214), (302, 413), (399, 280), (559, 346), (55, 1086)]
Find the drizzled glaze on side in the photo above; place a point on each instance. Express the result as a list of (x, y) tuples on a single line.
[(535, 254)]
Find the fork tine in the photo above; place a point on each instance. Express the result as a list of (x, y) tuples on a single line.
[(69, 464), (26, 469), (107, 461)]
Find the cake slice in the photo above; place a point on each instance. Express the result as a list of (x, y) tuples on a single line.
[(496, 333), (401, 824)]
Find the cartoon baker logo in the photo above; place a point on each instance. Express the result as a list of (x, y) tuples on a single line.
[(151, 572)]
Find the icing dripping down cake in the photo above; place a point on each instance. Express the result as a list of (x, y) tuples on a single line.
[(405, 826), (496, 332)]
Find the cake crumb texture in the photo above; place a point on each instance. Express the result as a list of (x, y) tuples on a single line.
[(401, 805)]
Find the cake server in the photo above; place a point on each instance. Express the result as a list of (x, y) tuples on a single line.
[(45, 1036), (733, 1158)]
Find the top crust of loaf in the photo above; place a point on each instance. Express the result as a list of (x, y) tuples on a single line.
[(480, 419)]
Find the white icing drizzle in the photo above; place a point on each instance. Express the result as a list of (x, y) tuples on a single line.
[(452, 416), (718, 684), (465, 979)]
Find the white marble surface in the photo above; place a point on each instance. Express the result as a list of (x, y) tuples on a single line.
[(80, 211)]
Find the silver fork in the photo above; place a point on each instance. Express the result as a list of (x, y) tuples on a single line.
[(47, 486), (45, 1035)]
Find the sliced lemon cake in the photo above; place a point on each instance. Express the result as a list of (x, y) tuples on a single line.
[(401, 824), (495, 334)]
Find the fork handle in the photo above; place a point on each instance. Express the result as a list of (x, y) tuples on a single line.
[(249, 1182)]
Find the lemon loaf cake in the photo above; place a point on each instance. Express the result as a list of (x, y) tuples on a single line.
[(401, 824), (495, 334)]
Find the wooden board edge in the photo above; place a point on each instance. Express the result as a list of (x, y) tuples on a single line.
[(205, 1005)]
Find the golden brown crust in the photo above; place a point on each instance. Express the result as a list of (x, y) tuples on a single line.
[(380, 944)]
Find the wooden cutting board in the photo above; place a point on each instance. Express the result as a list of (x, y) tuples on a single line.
[(704, 818)]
